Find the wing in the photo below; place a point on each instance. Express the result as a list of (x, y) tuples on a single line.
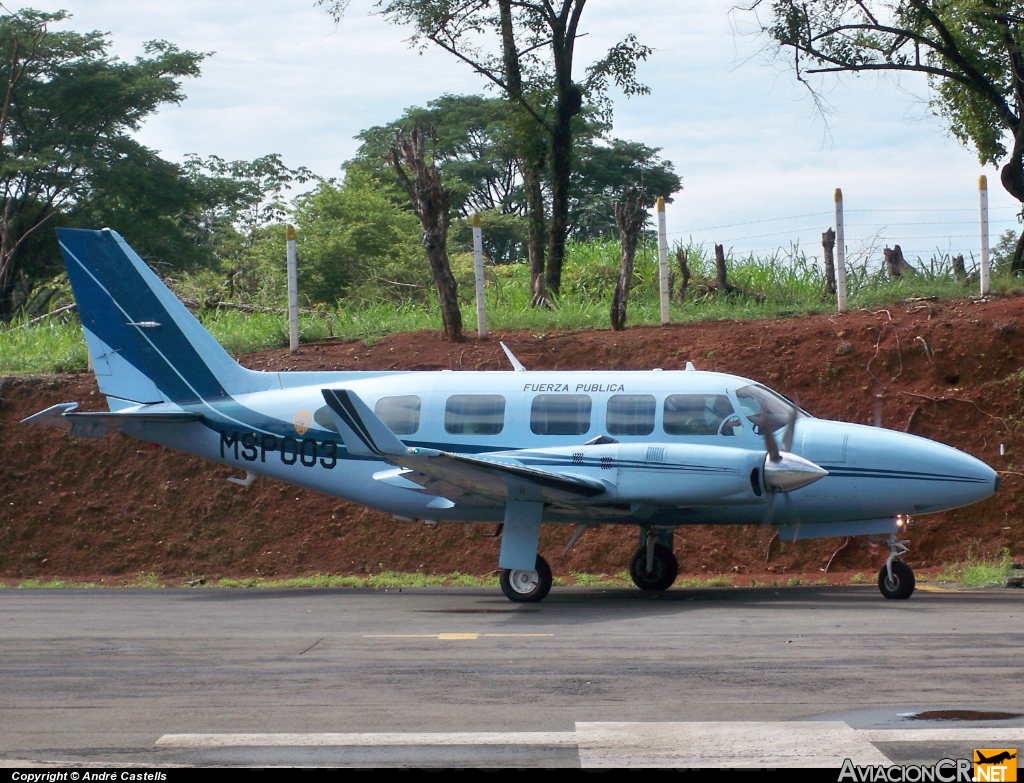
[(446, 474), (97, 424)]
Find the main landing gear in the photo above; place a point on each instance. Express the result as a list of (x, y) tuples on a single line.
[(526, 587), (896, 580), (653, 566)]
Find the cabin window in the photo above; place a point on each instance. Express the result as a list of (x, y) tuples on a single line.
[(474, 414), (698, 414), (560, 414), (630, 414), (400, 414)]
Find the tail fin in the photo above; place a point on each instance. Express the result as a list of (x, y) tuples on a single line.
[(144, 345)]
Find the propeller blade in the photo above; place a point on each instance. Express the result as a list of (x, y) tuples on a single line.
[(787, 436), (769, 437), (769, 512)]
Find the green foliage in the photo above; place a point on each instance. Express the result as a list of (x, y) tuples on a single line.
[(603, 171), (355, 240), (791, 285), (970, 51), (70, 109), (978, 572), (385, 579), (471, 148)]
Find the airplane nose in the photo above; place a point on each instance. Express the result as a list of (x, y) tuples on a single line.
[(885, 472), (930, 476)]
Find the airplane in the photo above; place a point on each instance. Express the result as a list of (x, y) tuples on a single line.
[(996, 759), (660, 450)]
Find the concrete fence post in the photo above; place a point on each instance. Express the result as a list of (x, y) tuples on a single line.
[(478, 269), (663, 261), (983, 225), (293, 291), (840, 253)]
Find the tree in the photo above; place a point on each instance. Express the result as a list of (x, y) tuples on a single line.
[(354, 240), (68, 109), (606, 170), (533, 67), (972, 52), (431, 201), (630, 217)]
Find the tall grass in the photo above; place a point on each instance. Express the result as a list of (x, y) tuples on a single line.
[(789, 282)]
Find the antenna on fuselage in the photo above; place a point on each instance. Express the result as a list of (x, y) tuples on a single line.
[(690, 367), (516, 364)]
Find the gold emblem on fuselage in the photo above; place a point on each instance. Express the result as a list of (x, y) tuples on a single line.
[(302, 421)]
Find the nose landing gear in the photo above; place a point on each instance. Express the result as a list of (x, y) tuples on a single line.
[(896, 580), (653, 566)]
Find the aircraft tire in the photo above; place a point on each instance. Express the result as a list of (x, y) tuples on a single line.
[(666, 568), (526, 587), (902, 583)]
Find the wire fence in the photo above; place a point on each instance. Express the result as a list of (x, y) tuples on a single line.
[(954, 232)]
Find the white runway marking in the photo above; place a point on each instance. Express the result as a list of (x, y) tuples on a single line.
[(691, 744), (368, 739), (776, 744)]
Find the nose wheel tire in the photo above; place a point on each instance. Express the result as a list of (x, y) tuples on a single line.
[(900, 584), (661, 576), (526, 587)]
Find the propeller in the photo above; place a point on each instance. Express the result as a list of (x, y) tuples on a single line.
[(783, 470)]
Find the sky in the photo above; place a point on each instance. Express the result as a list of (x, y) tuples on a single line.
[(759, 163)]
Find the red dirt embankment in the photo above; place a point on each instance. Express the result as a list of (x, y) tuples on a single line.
[(950, 370)]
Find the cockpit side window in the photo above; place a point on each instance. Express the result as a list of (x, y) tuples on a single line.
[(765, 409), (698, 414)]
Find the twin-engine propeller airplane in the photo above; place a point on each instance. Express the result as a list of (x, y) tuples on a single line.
[(660, 450)]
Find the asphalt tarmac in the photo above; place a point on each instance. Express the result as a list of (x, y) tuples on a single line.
[(462, 677)]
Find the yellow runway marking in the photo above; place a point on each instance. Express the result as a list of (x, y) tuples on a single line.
[(931, 589), (450, 636)]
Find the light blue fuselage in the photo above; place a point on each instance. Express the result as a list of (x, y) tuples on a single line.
[(873, 473)]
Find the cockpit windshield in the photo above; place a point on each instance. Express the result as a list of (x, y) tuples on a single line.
[(766, 409)]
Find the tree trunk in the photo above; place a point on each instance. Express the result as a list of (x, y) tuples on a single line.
[(684, 270), (1017, 262), (531, 162), (959, 271), (828, 243), (432, 202), (561, 169), (535, 233), (630, 217), (568, 102), (720, 267), (895, 263)]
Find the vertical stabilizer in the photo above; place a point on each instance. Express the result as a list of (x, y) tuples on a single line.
[(144, 344)]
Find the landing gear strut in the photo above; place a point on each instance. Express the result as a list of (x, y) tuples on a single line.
[(526, 587), (653, 566), (896, 580)]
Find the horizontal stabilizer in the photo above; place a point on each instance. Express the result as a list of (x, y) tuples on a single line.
[(99, 423), (364, 433)]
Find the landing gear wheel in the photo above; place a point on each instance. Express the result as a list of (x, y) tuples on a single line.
[(662, 575), (526, 587), (901, 585)]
